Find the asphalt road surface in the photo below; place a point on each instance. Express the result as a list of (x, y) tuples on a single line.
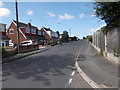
[(55, 68), (49, 69)]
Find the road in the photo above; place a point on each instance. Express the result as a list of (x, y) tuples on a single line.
[(55, 68), (49, 69)]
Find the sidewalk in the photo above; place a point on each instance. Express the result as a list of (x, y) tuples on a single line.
[(22, 55), (97, 68)]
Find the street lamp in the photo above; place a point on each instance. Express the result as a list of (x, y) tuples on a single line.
[(70, 32), (58, 25)]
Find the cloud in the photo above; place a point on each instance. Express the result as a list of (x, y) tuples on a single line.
[(4, 12), (66, 16), (30, 12), (1, 4), (82, 15), (93, 15), (51, 14), (95, 29)]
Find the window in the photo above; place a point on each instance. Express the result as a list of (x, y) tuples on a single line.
[(27, 30), (11, 31), (3, 44), (43, 33), (2, 28), (39, 33), (33, 31), (7, 43)]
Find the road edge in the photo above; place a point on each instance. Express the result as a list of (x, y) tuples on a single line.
[(92, 83)]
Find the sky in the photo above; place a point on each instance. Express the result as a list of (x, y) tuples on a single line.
[(59, 16)]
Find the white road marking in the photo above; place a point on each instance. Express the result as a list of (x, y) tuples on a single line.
[(70, 80), (73, 73)]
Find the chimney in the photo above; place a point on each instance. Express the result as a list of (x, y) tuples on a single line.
[(29, 24)]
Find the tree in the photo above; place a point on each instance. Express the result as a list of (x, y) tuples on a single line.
[(58, 33), (89, 38), (74, 38), (65, 36), (109, 12), (84, 38)]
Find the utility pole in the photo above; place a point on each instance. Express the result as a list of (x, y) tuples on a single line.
[(18, 39)]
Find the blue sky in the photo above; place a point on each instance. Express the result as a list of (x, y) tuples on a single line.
[(77, 16)]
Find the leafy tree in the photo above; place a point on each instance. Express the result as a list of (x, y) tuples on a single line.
[(84, 38), (89, 38), (109, 12), (74, 38), (65, 36)]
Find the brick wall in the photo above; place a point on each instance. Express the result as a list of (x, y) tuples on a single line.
[(13, 37)]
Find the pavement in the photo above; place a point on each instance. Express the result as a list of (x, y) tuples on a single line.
[(97, 68)]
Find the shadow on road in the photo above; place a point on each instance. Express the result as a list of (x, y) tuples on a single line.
[(38, 67)]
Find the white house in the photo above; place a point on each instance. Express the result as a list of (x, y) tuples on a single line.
[(4, 40)]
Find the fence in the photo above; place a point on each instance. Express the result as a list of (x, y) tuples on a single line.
[(29, 48), (113, 41), (110, 44), (99, 40)]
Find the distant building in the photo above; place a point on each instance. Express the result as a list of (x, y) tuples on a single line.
[(50, 35), (4, 40), (26, 32)]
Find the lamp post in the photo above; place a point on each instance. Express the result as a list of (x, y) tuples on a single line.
[(58, 25), (70, 32), (18, 40)]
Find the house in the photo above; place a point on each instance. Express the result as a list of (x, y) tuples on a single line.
[(26, 32), (4, 40), (50, 35)]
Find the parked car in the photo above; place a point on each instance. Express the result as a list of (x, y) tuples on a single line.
[(11, 44), (26, 43)]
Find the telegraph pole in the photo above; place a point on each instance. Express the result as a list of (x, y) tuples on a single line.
[(18, 39)]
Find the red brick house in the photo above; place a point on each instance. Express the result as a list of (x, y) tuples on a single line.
[(4, 40), (26, 32), (50, 35)]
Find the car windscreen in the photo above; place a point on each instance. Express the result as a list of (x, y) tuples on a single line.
[(25, 42)]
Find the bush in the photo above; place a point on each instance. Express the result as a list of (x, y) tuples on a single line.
[(49, 43), (3, 51)]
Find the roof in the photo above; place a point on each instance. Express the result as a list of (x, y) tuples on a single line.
[(3, 24), (47, 29), (25, 25)]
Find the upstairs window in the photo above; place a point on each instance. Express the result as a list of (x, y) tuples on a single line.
[(39, 32), (27, 30), (43, 33), (2, 28), (33, 31), (11, 31)]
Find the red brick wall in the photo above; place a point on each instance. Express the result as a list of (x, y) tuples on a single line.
[(47, 37), (13, 37)]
